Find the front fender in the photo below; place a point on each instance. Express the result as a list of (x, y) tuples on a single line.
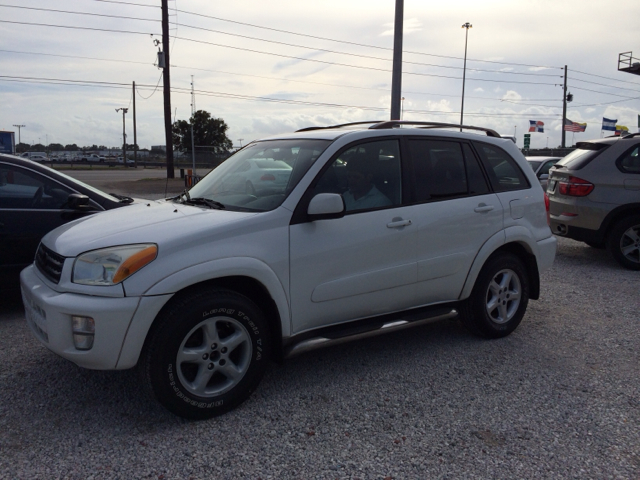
[(229, 267)]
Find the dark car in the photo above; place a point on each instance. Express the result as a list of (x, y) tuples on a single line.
[(35, 199)]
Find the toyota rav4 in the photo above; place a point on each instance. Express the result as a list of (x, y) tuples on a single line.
[(375, 228)]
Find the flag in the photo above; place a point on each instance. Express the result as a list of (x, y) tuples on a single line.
[(620, 129), (608, 124), (536, 126), (570, 126)]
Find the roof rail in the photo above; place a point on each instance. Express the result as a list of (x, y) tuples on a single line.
[(338, 126), (398, 123)]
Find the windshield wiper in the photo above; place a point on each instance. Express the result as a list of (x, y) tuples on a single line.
[(184, 193), (204, 201), (122, 198)]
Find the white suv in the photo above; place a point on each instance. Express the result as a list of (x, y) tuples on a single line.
[(374, 229)]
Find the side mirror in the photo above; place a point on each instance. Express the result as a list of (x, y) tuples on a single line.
[(326, 206), (77, 201), (544, 176)]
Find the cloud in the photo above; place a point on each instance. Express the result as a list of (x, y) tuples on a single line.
[(409, 26)]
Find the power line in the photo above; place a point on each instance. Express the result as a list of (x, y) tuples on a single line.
[(128, 3), (349, 65), (606, 78), (406, 92), (602, 93), (355, 54), (80, 13), (233, 96), (352, 43), (603, 85), (78, 28)]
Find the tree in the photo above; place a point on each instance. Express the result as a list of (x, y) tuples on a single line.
[(72, 147), (56, 147), (207, 131), (22, 147)]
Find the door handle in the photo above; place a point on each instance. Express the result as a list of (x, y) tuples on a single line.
[(398, 223), (483, 208)]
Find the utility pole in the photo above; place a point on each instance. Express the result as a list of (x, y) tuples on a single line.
[(19, 127), (124, 136), (396, 78), (464, 69), (564, 106), (193, 111), (166, 80), (135, 134)]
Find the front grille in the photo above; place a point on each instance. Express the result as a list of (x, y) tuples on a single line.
[(49, 263)]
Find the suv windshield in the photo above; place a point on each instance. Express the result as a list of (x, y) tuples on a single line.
[(260, 176)]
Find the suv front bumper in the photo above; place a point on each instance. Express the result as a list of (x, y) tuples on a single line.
[(48, 314)]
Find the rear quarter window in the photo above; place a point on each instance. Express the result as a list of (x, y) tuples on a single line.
[(503, 171), (582, 156), (629, 162)]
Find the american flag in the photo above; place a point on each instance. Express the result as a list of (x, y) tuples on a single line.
[(570, 126)]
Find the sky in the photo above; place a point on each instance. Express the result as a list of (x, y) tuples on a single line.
[(274, 67)]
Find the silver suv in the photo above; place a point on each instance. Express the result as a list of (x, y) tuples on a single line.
[(594, 195)]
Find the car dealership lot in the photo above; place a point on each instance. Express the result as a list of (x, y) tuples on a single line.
[(559, 398)]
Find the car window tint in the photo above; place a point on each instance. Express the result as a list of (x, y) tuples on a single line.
[(504, 173), (23, 189), (368, 176), (439, 169), (477, 182), (546, 167), (630, 161)]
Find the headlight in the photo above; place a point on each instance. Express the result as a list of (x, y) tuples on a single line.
[(109, 266)]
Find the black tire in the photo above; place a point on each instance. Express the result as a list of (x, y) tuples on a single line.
[(208, 353), (597, 245), (499, 297), (624, 242)]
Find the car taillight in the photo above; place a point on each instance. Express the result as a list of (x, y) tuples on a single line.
[(268, 178), (546, 206), (575, 187)]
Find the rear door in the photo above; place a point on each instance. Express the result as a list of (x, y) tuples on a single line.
[(454, 213)]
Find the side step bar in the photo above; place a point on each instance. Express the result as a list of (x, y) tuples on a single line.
[(391, 326)]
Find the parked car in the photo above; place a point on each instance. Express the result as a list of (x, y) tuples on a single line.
[(130, 161), (376, 229), (92, 157), (594, 195), (541, 166), (33, 200), (258, 175)]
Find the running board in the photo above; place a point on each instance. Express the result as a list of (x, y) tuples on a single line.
[(392, 326)]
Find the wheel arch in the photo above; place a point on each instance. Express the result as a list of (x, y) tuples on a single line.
[(514, 240), (244, 285), (617, 214)]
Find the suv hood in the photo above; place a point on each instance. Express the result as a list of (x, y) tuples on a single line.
[(148, 222)]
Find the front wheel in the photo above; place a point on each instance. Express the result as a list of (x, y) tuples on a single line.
[(208, 353), (624, 242), (499, 297)]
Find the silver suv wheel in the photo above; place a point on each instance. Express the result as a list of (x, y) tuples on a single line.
[(503, 296)]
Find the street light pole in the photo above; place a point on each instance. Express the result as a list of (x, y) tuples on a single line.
[(19, 127), (240, 140), (124, 137), (467, 26)]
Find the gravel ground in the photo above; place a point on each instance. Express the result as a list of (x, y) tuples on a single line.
[(559, 398)]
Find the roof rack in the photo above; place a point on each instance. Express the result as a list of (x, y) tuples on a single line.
[(338, 126), (380, 125), (398, 123)]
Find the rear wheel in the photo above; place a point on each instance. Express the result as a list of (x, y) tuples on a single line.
[(499, 297), (624, 242), (208, 353)]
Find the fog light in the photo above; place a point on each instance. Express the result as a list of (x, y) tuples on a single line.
[(83, 329)]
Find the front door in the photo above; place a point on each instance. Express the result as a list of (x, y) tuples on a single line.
[(362, 264)]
